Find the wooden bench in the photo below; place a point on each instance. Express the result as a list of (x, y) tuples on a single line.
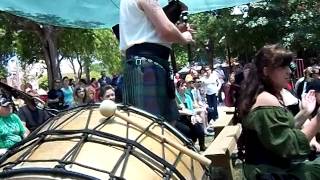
[(220, 150), (225, 119)]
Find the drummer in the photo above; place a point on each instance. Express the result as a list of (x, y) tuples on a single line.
[(146, 35)]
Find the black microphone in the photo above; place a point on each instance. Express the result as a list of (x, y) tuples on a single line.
[(184, 17)]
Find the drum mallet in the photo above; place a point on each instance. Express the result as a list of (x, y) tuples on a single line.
[(108, 109)]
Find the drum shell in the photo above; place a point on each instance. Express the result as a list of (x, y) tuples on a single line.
[(82, 138)]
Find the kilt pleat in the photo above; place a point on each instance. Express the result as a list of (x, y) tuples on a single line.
[(145, 87)]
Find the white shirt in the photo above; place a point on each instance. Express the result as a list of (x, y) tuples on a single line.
[(135, 27), (211, 84), (288, 98)]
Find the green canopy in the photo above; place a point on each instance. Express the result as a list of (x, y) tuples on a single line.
[(92, 13)]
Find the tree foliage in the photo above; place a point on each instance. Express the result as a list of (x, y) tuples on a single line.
[(292, 23), (107, 51), (32, 42)]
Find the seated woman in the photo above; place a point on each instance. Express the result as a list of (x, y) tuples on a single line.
[(12, 129), (198, 105), (80, 96), (107, 93), (188, 116), (274, 147), (91, 94)]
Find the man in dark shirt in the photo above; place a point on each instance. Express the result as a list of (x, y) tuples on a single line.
[(31, 115), (56, 97), (104, 80)]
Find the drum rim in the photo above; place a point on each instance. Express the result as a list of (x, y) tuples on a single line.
[(46, 171), (158, 120), (19, 146)]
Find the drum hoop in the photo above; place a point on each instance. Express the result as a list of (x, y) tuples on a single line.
[(62, 113), (155, 157), (138, 111), (160, 121), (46, 171)]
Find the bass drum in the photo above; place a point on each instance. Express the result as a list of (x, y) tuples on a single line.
[(82, 144)]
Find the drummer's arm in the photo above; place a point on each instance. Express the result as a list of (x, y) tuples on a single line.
[(164, 27)]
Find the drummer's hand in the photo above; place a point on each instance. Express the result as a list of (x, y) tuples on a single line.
[(183, 27), (308, 102), (187, 36)]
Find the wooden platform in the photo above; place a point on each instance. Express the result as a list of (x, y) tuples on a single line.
[(225, 119), (220, 150)]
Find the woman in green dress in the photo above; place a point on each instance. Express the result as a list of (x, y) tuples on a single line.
[(275, 148)]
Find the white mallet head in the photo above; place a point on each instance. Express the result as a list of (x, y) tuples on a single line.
[(108, 108)]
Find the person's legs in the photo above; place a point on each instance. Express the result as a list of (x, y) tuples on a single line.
[(198, 132), (215, 106), (209, 100), (220, 94), (213, 109), (183, 128)]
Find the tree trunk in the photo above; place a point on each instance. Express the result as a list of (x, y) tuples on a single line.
[(59, 63), (80, 66), (209, 51), (48, 39), (87, 69), (73, 66)]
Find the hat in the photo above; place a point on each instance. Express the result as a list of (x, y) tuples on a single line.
[(188, 78), (4, 102), (314, 85)]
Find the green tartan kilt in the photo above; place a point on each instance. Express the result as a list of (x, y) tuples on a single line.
[(145, 87)]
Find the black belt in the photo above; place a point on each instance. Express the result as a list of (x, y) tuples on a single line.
[(138, 61), (148, 50), (144, 53)]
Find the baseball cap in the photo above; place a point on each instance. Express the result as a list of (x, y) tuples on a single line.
[(4, 102)]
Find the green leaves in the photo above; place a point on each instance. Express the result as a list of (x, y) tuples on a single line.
[(107, 51), (293, 23)]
